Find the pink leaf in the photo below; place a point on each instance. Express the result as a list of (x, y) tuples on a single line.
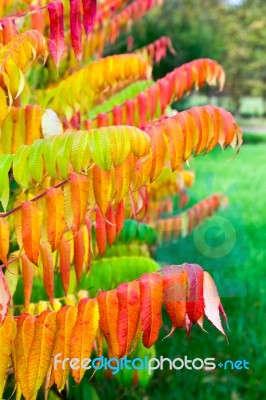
[(117, 115), (130, 112), (5, 297), (76, 28), (142, 104), (89, 14), (212, 302)]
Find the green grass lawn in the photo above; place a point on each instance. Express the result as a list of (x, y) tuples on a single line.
[(240, 276)]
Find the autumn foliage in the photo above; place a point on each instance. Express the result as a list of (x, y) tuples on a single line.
[(91, 158)]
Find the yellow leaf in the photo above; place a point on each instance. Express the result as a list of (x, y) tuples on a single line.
[(3, 106), (22, 347), (6, 339), (41, 351)]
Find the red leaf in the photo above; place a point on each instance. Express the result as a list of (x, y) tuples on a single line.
[(101, 237), (195, 302), (56, 43)]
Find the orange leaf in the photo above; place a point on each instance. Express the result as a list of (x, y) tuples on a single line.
[(108, 307), (28, 277), (4, 239), (176, 141), (31, 217), (120, 216), (110, 226), (128, 315), (123, 175), (142, 173), (79, 253), (102, 185), (65, 321), (48, 271), (84, 334), (158, 146), (55, 216), (65, 264), (151, 298), (175, 282), (79, 187)]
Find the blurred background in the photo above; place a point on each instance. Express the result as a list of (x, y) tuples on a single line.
[(233, 33)]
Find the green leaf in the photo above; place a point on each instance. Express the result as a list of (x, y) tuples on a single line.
[(11, 275), (79, 147), (50, 149), (63, 154), (119, 98), (5, 164), (108, 273), (36, 160), (21, 170), (100, 146)]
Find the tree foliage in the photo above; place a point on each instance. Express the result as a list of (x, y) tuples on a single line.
[(79, 157)]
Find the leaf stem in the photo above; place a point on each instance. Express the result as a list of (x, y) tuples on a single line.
[(6, 214)]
